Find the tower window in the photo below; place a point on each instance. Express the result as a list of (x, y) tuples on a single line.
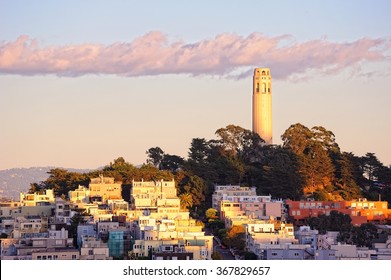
[(263, 73), (257, 87)]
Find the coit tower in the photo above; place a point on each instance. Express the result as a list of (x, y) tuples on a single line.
[(262, 104)]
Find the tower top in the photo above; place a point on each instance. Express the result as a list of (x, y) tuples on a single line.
[(262, 72)]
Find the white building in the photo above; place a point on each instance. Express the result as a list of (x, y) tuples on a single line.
[(37, 198)]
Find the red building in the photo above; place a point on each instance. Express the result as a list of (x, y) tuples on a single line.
[(361, 211)]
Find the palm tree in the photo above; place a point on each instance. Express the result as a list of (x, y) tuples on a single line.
[(186, 200)]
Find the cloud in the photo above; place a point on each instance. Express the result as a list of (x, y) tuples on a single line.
[(228, 55)]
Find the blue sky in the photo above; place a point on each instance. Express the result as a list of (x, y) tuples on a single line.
[(83, 82)]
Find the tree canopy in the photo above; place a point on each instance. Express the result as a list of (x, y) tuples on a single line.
[(309, 163)]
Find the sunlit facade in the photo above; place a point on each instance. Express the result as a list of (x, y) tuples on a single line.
[(262, 104)]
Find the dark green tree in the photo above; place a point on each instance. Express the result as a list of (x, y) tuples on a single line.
[(364, 234), (347, 176), (199, 150), (155, 156), (336, 221), (280, 173), (78, 219), (171, 162), (62, 181), (235, 237)]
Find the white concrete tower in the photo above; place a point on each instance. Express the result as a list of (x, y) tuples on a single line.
[(262, 104)]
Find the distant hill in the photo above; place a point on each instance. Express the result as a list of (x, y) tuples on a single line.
[(16, 180)]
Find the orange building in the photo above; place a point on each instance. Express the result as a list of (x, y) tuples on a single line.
[(361, 210)]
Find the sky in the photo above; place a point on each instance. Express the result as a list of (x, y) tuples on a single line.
[(85, 82)]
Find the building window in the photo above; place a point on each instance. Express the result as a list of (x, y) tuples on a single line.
[(73, 257)]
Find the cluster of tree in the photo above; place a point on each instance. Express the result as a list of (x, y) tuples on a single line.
[(308, 163), (362, 235), (233, 238), (62, 181)]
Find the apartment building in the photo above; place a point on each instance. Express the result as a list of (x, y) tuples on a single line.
[(28, 225), (38, 198), (105, 188), (232, 201), (360, 210), (172, 252), (94, 249), (56, 254), (161, 228), (149, 195), (51, 245), (79, 195), (200, 247), (222, 192), (63, 211)]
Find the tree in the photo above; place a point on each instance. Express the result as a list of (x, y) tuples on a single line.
[(229, 159), (384, 176), (281, 176), (149, 172), (186, 200), (235, 237), (336, 221), (326, 138), (155, 156), (216, 256), (171, 162), (371, 167), (76, 220), (61, 181), (296, 138), (198, 151), (239, 141), (34, 187), (250, 256), (364, 235), (211, 213), (313, 148), (120, 170), (347, 173), (196, 187), (218, 227)]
